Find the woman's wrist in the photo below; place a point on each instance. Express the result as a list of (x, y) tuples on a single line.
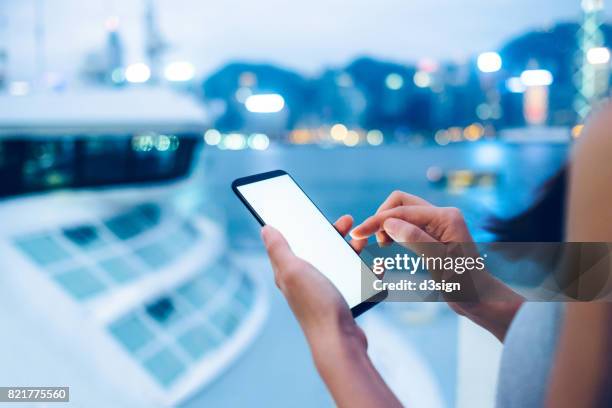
[(340, 342), (497, 310), (340, 355)]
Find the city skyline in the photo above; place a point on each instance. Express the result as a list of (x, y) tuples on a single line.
[(202, 35)]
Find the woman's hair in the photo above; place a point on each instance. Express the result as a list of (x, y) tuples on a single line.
[(543, 221)]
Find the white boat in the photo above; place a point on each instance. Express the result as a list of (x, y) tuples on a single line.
[(123, 293)]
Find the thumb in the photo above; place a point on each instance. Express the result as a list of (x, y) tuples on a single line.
[(404, 232), (277, 247), (410, 236)]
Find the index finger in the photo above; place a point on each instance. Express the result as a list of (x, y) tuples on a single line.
[(418, 215), (399, 198)]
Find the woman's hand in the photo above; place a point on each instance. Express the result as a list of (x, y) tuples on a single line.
[(406, 218), (424, 228), (314, 300), (337, 344)]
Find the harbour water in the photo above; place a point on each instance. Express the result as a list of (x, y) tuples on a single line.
[(357, 180)]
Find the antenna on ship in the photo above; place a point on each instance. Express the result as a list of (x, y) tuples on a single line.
[(155, 45)]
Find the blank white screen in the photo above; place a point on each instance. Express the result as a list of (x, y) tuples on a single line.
[(281, 203)]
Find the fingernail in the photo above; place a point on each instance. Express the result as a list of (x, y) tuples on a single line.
[(264, 234), (391, 225), (358, 227)]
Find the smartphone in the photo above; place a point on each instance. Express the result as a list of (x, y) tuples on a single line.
[(274, 198)]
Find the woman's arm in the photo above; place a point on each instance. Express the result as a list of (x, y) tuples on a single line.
[(590, 192), (337, 344), (341, 359), (582, 364)]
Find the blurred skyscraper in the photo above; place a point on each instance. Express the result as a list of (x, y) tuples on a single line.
[(106, 65), (155, 45), (593, 59), (114, 50)]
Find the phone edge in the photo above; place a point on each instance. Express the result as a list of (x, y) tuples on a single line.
[(252, 179)]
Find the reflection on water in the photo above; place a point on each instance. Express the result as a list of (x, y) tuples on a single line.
[(356, 180)]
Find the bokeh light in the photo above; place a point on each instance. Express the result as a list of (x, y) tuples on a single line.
[(374, 137), (351, 139), (265, 103), (489, 62), (137, 73), (536, 77), (179, 71), (259, 141), (394, 81), (598, 55), (212, 137), (338, 132), (234, 141), (422, 79)]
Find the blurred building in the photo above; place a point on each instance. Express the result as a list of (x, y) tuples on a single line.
[(155, 45), (593, 60), (105, 66), (530, 81)]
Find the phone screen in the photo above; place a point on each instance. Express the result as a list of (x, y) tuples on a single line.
[(281, 203)]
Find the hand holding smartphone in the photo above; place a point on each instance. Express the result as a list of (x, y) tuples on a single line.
[(274, 198)]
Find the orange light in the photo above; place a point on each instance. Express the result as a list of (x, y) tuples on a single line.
[(473, 132), (300, 136), (351, 139), (577, 131)]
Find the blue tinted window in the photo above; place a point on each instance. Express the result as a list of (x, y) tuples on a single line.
[(85, 237), (131, 332), (43, 249), (126, 226), (216, 274), (150, 212), (225, 320), (196, 292), (119, 270), (80, 283), (198, 341), (134, 222), (165, 367), (245, 292), (165, 311), (182, 238), (154, 255)]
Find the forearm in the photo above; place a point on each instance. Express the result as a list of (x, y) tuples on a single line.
[(496, 317), (496, 312), (346, 369)]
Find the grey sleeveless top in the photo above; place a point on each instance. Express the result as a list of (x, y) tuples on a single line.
[(528, 355)]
